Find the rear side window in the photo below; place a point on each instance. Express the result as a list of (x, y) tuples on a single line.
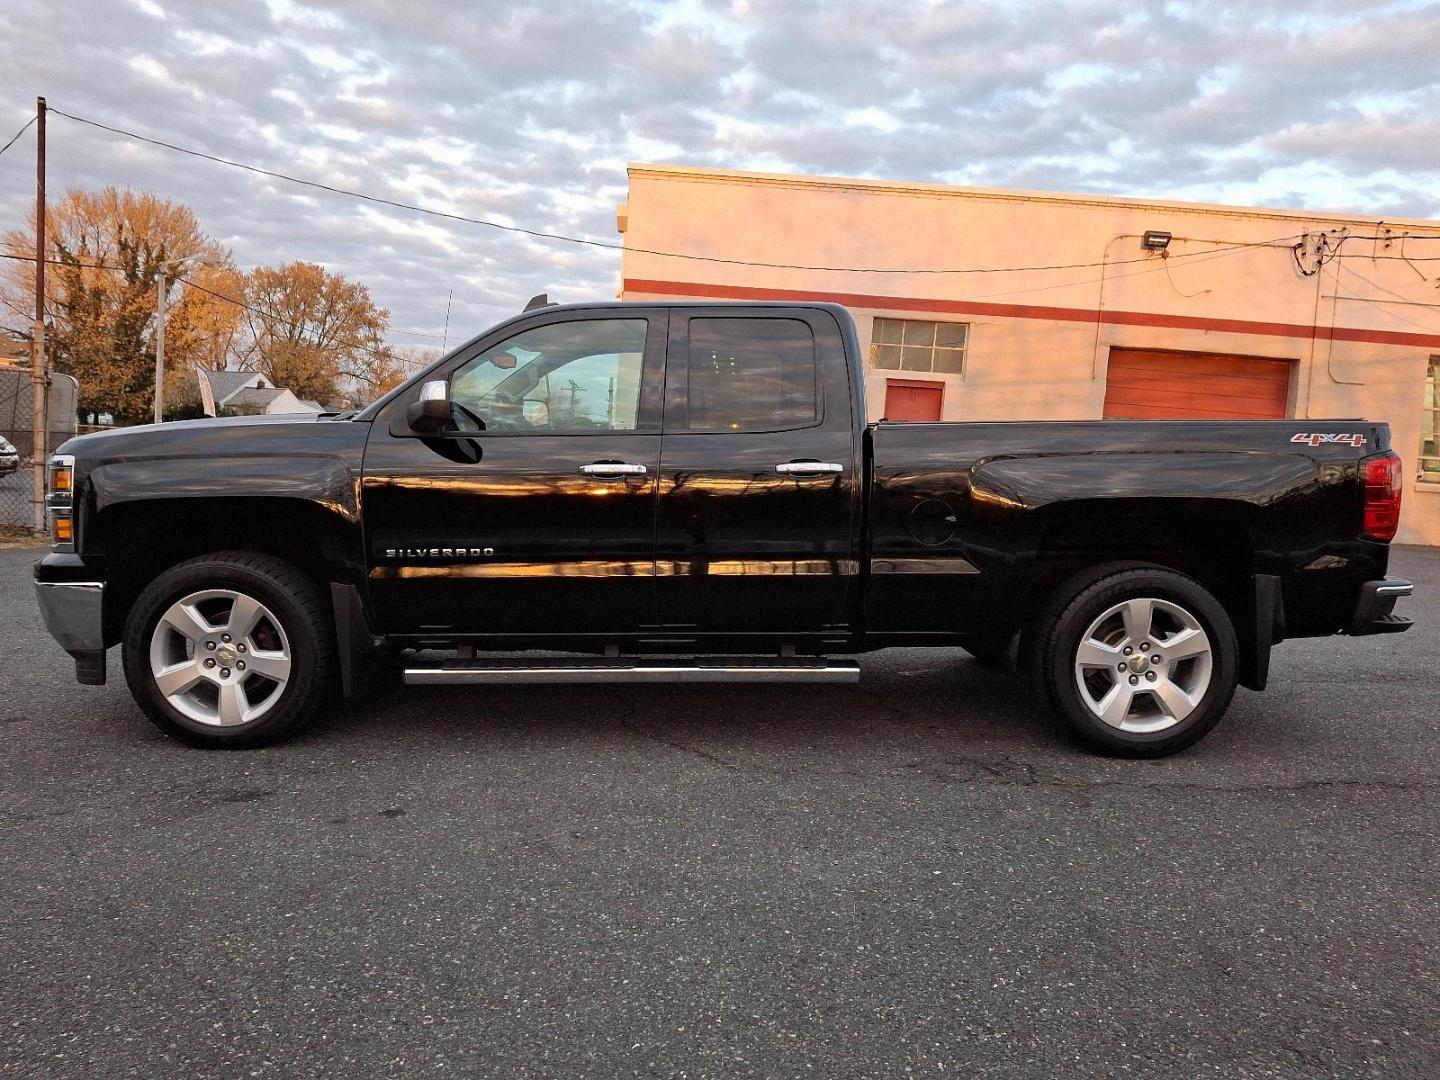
[(752, 375)]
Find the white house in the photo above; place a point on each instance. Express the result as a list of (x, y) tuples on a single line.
[(248, 391)]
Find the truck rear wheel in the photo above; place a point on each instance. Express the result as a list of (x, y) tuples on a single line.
[(228, 650), (1138, 661)]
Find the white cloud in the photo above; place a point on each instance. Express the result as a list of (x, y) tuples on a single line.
[(526, 113)]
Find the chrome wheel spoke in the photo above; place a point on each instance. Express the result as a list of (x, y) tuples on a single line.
[(270, 664), (1185, 644), (1115, 705), (1139, 616), (178, 678), (232, 706), (245, 613), (1177, 703), (1094, 653), (185, 619)]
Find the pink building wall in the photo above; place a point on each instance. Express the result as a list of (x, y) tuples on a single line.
[(1360, 332)]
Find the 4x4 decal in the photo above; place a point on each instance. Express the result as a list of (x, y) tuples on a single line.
[(1317, 439)]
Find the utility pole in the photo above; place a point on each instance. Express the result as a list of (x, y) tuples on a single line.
[(38, 418), (160, 345)]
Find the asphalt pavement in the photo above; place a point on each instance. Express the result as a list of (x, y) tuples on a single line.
[(915, 876)]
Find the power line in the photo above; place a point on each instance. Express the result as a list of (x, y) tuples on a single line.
[(608, 245), (17, 135), (301, 327), (120, 270), (1209, 254)]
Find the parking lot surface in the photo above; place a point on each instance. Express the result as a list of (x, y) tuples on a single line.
[(917, 875)]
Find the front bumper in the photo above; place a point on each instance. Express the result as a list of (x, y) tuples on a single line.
[(73, 609), (1374, 610)]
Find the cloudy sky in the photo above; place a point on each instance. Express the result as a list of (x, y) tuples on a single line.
[(526, 114)]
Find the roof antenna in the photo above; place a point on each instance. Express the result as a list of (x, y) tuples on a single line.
[(539, 300)]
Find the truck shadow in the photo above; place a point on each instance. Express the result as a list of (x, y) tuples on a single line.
[(906, 701)]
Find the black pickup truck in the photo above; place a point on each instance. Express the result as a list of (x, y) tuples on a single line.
[(690, 493)]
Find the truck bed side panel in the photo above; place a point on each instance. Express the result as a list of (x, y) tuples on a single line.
[(969, 521)]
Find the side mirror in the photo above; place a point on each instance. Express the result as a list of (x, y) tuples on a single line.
[(431, 413)]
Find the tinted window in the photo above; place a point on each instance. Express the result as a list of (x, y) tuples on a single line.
[(566, 377), (751, 375)]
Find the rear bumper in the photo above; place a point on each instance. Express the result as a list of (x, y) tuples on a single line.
[(73, 610), (1374, 609)]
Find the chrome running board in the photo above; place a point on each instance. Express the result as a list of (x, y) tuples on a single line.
[(636, 670)]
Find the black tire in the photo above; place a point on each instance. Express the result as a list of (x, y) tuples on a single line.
[(1054, 640), (294, 603)]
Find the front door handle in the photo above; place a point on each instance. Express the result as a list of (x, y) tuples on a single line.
[(809, 468), (612, 468)]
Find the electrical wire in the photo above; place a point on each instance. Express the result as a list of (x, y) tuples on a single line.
[(1164, 261), (231, 299), (17, 135), (1203, 255), (299, 327), (589, 242)]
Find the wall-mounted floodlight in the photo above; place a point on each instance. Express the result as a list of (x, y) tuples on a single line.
[(1155, 240)]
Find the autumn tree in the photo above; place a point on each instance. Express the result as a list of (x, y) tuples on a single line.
[(315, 332), (110, 248), (204, 329)]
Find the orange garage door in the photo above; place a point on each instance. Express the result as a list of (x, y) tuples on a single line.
[(1144, 384)]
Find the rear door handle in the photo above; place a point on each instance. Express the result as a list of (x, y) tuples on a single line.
[(612, 468), (809, 468)]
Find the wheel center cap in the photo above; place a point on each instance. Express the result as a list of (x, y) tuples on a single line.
[(1139, 663), (227, 655)]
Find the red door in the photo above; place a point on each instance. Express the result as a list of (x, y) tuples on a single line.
[(913, 399)]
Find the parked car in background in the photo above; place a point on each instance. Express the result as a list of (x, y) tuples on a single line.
[(9, 457), (690, 493)]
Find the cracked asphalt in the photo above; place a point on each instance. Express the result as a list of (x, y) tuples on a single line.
[(916, 876)]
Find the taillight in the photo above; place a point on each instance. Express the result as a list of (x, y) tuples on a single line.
[(1383, 478)]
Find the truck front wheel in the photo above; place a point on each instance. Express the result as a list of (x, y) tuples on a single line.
[(1138, 661), (228, 650)]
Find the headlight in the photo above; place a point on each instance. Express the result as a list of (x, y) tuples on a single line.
[(60, 500)]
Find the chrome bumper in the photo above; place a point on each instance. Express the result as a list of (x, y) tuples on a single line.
[(73, 613)]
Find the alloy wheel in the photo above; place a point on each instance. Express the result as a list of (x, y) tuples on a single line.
[(1143, 665), (220, 657)]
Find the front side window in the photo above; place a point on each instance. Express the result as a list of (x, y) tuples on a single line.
[(1430, 424), (917, 345), (565, 378), (752, 375)]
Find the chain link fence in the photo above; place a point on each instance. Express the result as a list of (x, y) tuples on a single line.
[(17, 397)]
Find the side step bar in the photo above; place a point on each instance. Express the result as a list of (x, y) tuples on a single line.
[(636, 670)]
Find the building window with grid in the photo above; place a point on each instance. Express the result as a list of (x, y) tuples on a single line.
[(1430, 425), (913, 345)]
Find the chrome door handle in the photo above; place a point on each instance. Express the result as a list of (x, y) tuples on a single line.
[(809, 468), (613, 468)]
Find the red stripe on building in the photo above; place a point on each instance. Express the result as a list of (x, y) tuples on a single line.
[(1027, 311)]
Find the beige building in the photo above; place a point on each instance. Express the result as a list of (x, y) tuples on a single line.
[(978, 304)]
